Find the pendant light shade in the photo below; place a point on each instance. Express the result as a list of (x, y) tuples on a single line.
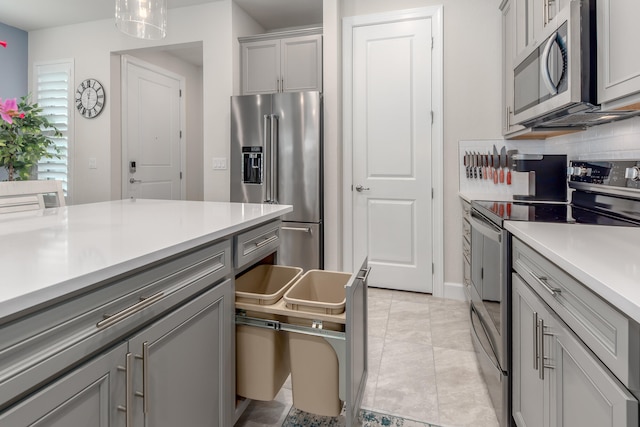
[(144, 19)]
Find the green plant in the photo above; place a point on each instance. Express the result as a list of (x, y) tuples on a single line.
[(25, 138)]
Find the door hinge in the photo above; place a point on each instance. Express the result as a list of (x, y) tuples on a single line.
[(433, 268), (432, 193), (180, 90), (431, 117), (180, 174), (431, 42), (180, 134)]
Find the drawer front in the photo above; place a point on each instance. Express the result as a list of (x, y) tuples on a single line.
[(606, 331), (47, 342), (466, 230), (255, 244), (466, 250)]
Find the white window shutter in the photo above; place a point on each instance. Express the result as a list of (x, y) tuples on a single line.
[(53, 92)]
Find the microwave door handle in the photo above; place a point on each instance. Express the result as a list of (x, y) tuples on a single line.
[(544, 65), (267, 156)]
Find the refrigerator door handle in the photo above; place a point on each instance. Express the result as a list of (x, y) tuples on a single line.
[(267, 154), (274, 158), (305, 229)]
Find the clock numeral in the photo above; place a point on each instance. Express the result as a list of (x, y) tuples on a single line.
[(99, 104)]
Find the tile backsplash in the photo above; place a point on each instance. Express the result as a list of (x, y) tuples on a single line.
[(617, 140)]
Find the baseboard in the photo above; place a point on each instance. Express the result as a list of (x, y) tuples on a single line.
[(454, 291)]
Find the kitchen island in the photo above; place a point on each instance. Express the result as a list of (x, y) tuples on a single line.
[(123, 311)]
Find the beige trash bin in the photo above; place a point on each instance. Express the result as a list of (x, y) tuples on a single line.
[(314, 363), (262, 355)]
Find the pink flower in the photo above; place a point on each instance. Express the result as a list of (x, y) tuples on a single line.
[(8, 110), (3, 43)]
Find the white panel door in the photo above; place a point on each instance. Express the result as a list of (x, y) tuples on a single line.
[(151, 125), (392, 220)]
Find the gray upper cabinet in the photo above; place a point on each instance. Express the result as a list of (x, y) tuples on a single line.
[(281, 62), (618, 66), (89, 395), (508, 9)]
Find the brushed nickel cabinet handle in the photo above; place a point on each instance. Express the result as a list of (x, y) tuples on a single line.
[(110, 319), (128, 407), (535, 341), (266, 241), (541, 349)]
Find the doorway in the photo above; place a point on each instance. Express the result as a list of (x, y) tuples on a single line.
[(153, 154), (393, 147)]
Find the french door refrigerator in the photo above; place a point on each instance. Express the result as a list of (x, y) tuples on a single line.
[(276, 157)]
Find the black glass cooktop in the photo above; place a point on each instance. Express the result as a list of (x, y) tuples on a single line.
[(546, 212)]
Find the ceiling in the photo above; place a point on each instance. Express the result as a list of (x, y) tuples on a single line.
[(31, 15)]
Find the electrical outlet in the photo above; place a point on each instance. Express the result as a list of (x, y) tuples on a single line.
[(92, 163), (219, 163)]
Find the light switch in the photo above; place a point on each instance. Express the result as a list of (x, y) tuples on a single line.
[(92, 163), (219, 163)]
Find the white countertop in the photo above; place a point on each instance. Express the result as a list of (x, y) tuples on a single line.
[(51, 254), (604, 258)]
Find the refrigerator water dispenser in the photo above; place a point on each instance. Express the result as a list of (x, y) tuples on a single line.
[(252, 165)]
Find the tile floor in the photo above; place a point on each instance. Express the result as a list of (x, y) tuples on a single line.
[(421, 365)]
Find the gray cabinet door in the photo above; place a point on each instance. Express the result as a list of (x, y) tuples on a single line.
[(184, 364), (585, 392), (529, 407), (576, 389), (88, 396), (356, 337)]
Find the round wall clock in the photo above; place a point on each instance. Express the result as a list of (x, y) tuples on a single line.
[(90, 98)]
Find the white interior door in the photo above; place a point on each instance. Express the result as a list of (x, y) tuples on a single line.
[(151, 133), (391, 153)]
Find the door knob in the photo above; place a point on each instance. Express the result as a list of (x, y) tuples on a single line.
[(360, 188), (132, 181)]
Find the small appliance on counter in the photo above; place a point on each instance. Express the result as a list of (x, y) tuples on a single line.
[(547, 176)]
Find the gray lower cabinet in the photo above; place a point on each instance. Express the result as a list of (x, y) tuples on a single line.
[(89, 396), (181, 374), (177, 371), (557, 380)]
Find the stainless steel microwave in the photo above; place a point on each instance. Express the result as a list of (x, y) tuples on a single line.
[(557, 79)]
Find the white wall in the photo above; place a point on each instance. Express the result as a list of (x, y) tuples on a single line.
[(208, 23), (243, 25), (472, 90)]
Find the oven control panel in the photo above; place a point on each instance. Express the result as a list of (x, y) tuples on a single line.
[(610, 173)]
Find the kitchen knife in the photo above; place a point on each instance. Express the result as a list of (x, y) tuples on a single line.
[(495, 165), (466, 165), (503, 163)]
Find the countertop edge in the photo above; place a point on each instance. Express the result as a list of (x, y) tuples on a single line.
[(582, 272), (30, 302)]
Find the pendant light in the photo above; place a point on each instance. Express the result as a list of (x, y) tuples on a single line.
[(144, 19)]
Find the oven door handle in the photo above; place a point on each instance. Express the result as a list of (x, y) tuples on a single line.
[(487, 230)]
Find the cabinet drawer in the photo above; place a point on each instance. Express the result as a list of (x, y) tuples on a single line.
[(255, 244), (466, 250), (466, 230), (606, 331), (42, 345)]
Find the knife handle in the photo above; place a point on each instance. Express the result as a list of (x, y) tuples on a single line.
[(501, 175), (495, 176), (509, 177)]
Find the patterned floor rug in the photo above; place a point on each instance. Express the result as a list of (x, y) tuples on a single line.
[(298, 418)]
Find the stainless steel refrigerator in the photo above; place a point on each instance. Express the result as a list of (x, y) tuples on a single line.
[(276, 157)]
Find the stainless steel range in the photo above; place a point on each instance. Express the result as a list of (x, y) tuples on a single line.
[(605, 193)]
